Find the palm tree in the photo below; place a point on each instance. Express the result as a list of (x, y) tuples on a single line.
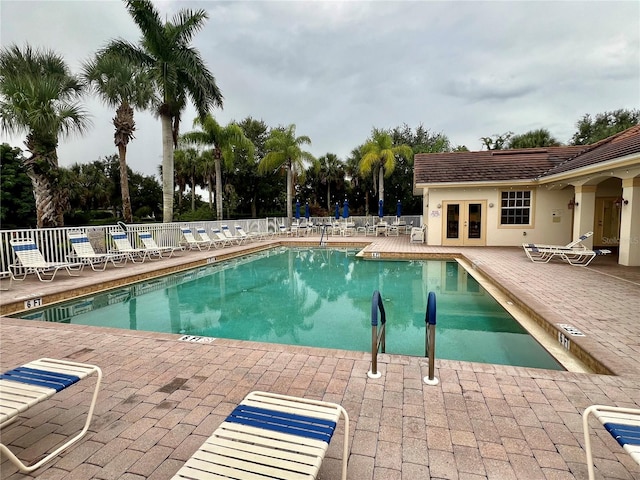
[(379, 157), (331, 170), (534, 138), (223, 140), (122, 85), (284, 151), (39, 97), (177, 71)]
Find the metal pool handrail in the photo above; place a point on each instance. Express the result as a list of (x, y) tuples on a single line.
[(430, 338), (377, 339)]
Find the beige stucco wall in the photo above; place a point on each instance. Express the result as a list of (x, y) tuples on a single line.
[(552, 220)]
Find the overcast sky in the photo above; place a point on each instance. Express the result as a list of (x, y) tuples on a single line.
[(337, 69)]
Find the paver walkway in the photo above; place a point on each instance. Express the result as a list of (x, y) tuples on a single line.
[(163, 397)]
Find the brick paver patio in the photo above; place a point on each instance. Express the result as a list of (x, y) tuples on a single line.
[(161, 398)]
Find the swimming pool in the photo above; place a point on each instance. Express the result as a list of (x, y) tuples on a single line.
[(317, 297)]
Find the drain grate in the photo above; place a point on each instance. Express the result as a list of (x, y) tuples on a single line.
[(195, 339)]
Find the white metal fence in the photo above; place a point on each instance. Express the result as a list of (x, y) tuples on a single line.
[(55, 246)]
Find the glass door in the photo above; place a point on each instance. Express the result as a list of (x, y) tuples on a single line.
[(464, 223)]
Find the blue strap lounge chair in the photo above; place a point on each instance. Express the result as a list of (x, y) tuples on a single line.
[(270, 436), (623, 424), (84, 252), (23, 387), (192, 242), (30, 260), (121, 241), (150, 244), (237, 239)]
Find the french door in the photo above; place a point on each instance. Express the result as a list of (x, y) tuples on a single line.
[(464, 223)]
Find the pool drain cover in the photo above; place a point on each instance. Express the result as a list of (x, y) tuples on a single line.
[(194, 339)]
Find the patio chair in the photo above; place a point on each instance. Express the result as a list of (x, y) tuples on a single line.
[(283, 230), (30, 260), (418, 234), (191, 242), (623, 424), (26, 386), (150, 244), (123, 246), (270, 436), (220, 238), (230, 236), (84, 252), (248, 236), (204, 236), (577, 255)]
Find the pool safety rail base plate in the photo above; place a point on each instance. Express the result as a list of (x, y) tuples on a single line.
[(196, 339), (571, 330)]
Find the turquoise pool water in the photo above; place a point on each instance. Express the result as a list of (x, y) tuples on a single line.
[(317, 297)]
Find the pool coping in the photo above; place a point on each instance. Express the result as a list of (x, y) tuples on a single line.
[(587, 352)]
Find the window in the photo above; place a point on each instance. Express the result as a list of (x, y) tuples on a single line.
[(515, 208)]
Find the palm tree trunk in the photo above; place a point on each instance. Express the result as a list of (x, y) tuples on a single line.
[(44, 199), (193, 193), (328, 196), (124, 185), (210, 188), (289, 191), (219, 213), (167, 169), (381, 184)]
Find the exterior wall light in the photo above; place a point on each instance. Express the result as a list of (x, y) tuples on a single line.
[(621, 201)]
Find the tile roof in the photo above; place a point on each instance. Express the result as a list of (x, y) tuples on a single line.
[(617, 146), (520, 164)]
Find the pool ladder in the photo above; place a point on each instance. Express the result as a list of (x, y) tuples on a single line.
[(378, 338)]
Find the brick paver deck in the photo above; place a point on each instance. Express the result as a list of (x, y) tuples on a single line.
[(161, 398)]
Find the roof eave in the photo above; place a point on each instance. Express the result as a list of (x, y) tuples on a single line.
[(597, 168), (480, 184)]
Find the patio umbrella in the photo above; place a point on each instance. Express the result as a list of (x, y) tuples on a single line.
[(297, 210), (380, 209), (307, 214), (345, 210), (399, 209), (337, 211)]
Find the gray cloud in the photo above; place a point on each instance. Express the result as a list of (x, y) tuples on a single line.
[(336, 69)]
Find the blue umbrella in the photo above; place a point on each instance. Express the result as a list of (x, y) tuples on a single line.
[(380, 209), (307, 214), (297, 209), (337, 211), (345, 210), (399, 209)]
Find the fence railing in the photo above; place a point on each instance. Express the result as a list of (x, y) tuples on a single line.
[(55, 246)]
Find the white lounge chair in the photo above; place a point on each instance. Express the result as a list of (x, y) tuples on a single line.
[(623, 424), (191, 241), (150, 244), (578, 256), (136, 255), (204, 236), (542, 253), (220, 238), (23, 387), (248, 237), (84, 252), (283, 230), (418, 234), (30, 260), (270, 436), (230, 236)]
